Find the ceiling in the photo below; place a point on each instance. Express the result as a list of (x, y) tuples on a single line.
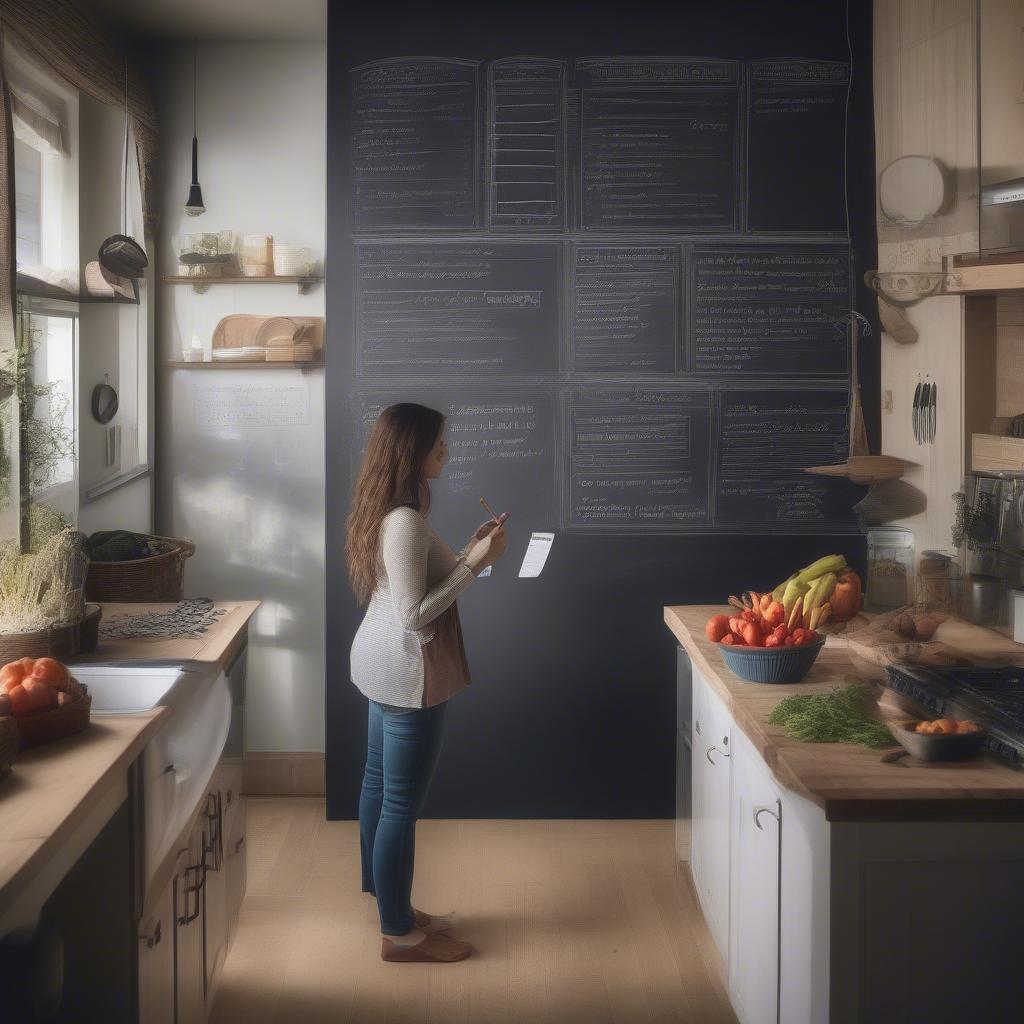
[(222, 19)]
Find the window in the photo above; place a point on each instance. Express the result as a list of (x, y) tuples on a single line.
[(28, 178), (44, 119)]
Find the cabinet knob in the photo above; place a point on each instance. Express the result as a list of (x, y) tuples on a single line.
[(150, 933), (696, 727), (707, 754)]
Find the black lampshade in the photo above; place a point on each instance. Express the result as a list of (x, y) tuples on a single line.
[(194, 204)]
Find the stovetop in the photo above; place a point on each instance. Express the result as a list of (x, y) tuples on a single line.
[(993, 697)]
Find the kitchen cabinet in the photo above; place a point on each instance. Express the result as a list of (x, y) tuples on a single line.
[(189, 900), (712, 768), (156, 961), (235, 854), (756, 836), (215, 927)]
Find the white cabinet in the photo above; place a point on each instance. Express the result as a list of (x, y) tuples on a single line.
[(156, 961), (712, 768), (189, 892), (756, 835), (215, 929)]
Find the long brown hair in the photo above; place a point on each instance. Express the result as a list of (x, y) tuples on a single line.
[(391, 475)]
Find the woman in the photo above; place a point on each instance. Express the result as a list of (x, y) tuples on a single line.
[(407, 658)]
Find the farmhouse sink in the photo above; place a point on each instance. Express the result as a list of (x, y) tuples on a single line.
[(180, 760)]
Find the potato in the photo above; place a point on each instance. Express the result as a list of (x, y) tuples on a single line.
[(925, 625), (905, 626)]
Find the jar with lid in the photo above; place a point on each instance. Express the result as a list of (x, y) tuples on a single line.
[(890, 568)]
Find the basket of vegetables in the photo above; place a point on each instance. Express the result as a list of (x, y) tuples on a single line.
[(125, 566), (42, 606), (42, 700)]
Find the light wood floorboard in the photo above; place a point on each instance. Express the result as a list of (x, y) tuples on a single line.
[(573, 922)]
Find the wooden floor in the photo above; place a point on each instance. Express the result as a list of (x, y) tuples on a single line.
[(572, 921)]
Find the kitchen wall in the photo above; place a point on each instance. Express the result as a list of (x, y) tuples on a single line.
[(925, 104), (250, 497)]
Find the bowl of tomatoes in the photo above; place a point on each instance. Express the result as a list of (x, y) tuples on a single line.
[(760, 648), (43, 700)]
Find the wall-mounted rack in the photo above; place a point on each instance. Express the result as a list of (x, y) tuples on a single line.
[(200, 284)]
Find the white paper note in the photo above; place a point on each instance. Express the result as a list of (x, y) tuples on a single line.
[(536, 554)]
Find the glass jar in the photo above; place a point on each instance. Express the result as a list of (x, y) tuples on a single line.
[(890, 568)]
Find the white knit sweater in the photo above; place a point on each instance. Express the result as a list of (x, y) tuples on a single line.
[(418, 578)]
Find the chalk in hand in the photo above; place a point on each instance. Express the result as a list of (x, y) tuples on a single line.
[(490, 511)]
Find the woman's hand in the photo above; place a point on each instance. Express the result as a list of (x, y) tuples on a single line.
[(488, 549), (483, 530)]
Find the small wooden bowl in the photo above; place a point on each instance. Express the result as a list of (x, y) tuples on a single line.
[(54, 723), (937, 746), (9, 741)]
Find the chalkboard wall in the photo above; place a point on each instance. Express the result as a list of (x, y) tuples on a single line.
[(611, 245)]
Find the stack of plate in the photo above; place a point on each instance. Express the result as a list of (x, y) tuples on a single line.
[(292, 260)]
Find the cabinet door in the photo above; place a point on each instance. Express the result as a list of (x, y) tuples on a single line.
[(156, 961), (712, 772), (215, 892), (754, 903), (235, 868), (189, 886)]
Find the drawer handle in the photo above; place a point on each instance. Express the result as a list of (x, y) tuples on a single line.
[(696, 727), (758, 811), (707, 754), (198, 873)]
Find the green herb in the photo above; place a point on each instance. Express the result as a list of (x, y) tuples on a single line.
[(842, 716)]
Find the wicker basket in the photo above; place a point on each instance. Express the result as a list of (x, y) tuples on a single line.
[(59, 641), (9, 736), (55, 724), (157, 578)]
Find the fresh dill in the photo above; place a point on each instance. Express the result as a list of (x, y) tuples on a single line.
[(842, 716)]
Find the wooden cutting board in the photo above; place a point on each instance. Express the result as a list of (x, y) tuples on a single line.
[(240, 330)]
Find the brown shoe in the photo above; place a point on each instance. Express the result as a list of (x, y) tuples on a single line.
[(434, 949)]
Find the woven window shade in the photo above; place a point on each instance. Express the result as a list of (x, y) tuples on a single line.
[(35, 125)]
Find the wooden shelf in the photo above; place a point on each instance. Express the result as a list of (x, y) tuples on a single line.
[(1002, 272), (244, 364), (32, 288), (200, 284)]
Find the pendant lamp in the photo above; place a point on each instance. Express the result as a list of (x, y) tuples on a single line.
[(194, 204)]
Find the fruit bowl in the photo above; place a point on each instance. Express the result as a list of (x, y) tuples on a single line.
[(937, 746), (53, 723), (771, 664)]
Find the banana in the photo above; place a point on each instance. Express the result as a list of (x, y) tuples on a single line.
[(796, 615), (821, 591), (795, 590), (820, 615), (780, 590), (830, 563)]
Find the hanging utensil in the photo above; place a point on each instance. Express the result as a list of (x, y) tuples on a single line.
[(934, 412), (915, 412), (120, 254)]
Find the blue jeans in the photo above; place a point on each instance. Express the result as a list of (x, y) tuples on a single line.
[(401, 753)]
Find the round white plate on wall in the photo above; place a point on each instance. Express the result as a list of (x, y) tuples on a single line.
[(912, 189)]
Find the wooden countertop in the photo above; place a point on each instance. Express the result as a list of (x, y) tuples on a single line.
[(850, 782), (53, 788), (217, 645)]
